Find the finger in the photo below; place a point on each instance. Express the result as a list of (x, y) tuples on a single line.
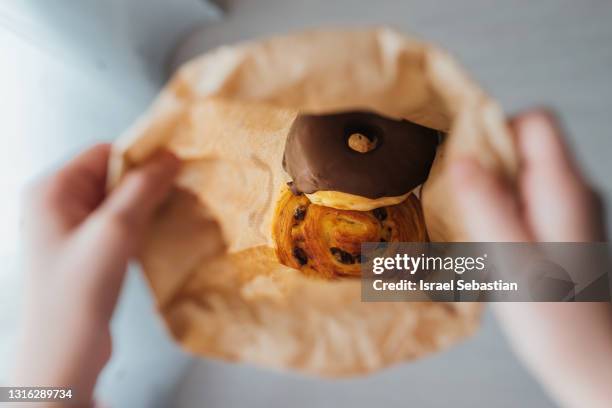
[(55, 204), (487, 207), (140, 192), (83, 179), (542, 148), (559, 205), (92, 162), (104, 243), (112, 234)]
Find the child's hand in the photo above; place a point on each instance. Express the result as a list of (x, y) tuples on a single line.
[(568, 346), (78, 242)]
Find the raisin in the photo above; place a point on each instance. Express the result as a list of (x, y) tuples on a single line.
[(300, 255), (299, 213), (380, 214), (383, 240), (342, 256)]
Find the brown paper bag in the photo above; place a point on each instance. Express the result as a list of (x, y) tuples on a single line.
[(209, 256)]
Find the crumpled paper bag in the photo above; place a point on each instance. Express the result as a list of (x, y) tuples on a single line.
[(208, 255)]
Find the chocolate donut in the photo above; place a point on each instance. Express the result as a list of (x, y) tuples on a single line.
[(358, 153)]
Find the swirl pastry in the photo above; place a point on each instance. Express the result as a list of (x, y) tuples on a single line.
[(326, 242), (352, 174)]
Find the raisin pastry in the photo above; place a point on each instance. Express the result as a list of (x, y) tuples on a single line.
[(352, 180), (326, 242)]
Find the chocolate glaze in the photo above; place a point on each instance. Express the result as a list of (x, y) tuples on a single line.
[(318, 158)]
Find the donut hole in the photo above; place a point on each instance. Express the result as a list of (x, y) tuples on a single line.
[(362, 138)]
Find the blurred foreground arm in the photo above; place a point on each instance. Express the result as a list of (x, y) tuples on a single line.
[(78, 242), (567, 346)]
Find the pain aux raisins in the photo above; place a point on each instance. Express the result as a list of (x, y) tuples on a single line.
[(299, 213), (300, 255), (342, 256), (380, 214)]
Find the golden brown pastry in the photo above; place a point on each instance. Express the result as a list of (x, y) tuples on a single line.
[(326, 242), (346, 201)]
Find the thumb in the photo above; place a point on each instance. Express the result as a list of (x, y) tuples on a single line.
[(130, 206), (487, 207), (116, 225)]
